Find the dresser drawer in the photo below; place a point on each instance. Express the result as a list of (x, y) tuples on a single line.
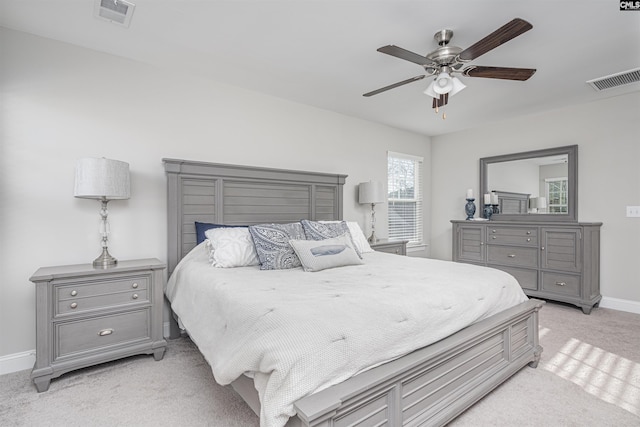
[(528, 279), (101, 332), (80, 297), (513, 256), (563, 284), (526, 236)]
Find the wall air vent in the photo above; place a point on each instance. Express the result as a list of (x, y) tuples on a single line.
[(118, 12), (615, 80)]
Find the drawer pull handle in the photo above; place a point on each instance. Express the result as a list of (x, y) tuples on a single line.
[(74, 293), (105, 332), (493, 231), (73, 305), (528, 232), (560, 283), (135, 296), (134, 286), (511, 255), (493, 237), (529, 239)]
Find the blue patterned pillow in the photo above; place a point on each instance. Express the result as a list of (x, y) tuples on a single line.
[(272, 244), (315, 230)]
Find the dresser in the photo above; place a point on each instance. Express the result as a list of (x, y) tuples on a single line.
[(398, 247), (556, 261), (86, 316)]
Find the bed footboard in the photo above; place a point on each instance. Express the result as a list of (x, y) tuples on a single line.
[(433, 385)]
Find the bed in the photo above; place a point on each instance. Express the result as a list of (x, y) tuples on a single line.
[(427, 385)]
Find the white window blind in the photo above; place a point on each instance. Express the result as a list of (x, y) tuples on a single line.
[(404, 197)]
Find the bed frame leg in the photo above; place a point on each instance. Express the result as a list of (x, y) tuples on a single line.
[(537, 352)]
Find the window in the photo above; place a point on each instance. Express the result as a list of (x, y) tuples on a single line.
[(556, 189), (404, 197)]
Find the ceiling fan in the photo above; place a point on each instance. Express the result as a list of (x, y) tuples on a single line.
[(447, 60)]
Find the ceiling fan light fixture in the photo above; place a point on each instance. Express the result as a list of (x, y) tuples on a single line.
[(443, 83), (430, 90), (457, 86)]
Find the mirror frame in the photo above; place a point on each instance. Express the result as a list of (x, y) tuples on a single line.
[(571, 151)]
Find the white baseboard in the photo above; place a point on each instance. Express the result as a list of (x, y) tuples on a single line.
[(17, 362), (620, 304)]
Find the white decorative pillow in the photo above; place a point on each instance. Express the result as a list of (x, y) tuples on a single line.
[(231, 247), (359, 240), (317, 255)]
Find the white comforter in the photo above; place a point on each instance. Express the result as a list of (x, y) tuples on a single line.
[(299, 332)]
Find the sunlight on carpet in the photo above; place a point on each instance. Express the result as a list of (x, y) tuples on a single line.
[(603, 374)]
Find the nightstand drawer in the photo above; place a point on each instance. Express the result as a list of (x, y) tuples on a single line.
[(513, 256), (100, 332), (564, 284), (79, 297)]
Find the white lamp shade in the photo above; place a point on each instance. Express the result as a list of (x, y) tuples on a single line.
[(443, 84), (541, 203), (430, 91), (457, 86), (370, 192), (98, 178)]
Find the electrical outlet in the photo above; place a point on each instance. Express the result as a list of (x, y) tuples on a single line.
[(633, 211)]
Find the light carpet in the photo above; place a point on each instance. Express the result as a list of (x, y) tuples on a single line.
[(589, 375)]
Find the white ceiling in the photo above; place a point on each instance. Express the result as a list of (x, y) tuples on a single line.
[(323, 53)]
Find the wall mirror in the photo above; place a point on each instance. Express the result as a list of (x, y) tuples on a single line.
[(539, 185)]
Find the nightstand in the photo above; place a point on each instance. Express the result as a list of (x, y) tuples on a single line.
[(86, 316), (398, 247)]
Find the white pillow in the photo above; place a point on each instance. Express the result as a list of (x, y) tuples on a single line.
[(361, 242), (316, 255), (231, 247)]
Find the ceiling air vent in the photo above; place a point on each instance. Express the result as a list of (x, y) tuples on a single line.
[(615, 80), (118, 12)]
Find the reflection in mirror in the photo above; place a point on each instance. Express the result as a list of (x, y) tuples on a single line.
[(535, 185)]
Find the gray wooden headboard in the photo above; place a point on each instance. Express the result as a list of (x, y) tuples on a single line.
[(242, 195)]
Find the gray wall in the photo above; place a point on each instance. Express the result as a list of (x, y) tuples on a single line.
[(62, 103), (608, 176)]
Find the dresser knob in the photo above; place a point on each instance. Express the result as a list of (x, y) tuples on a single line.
[(105, 332), (134, 286), (542, 248), (493, 231), (560, 283), (73, 305), (135, 296), (528, 232), (494, 237), (529, 239), (511, 255), (74, 293)]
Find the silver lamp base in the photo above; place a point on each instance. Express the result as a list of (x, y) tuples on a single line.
[(105, 260)]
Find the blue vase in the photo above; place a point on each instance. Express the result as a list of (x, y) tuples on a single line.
[(470, 209)]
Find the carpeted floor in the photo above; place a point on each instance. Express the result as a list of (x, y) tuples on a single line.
[(589, 375)]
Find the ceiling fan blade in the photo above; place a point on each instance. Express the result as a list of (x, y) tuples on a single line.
[(500, 36), (505, 73), (404, 82), (401, 53)]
